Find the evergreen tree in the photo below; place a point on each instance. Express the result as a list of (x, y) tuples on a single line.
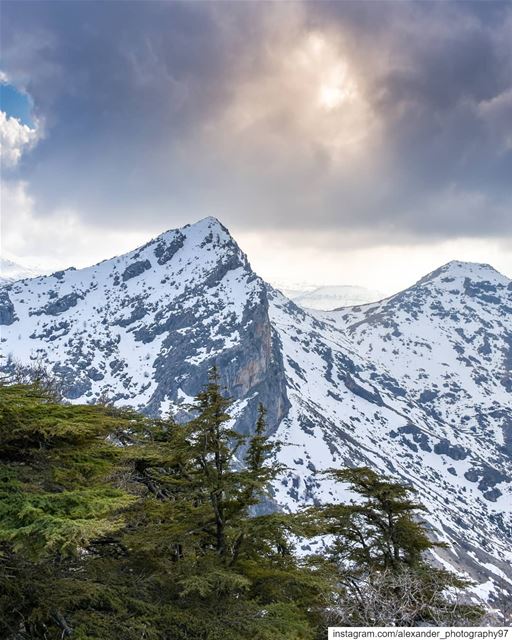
[(379, 548), (58, 493), (113, 525), (382, 531), (151, 540), (224, 572)]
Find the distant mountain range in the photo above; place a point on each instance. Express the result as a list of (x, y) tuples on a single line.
[(11, 271), (418, 385), (330, 297)]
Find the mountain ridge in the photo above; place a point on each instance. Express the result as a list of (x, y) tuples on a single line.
[(415, 385)]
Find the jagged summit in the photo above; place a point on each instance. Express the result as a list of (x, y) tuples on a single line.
[(208, 221), (465, 266), (207, 232), (133, 302), (145, 327), (459, 269), (199, 229)]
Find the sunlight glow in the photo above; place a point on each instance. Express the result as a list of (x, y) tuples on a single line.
[(309, 96), (331, 97)]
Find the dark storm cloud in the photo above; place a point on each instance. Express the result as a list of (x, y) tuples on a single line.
[(445, 95), (120, 86), (142, 102)]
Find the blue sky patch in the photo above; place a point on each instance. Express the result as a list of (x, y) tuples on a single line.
[(16, 104)]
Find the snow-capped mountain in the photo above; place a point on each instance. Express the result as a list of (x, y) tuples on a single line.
[(418, 385), (145, 327), (328, 297), (11, 271)]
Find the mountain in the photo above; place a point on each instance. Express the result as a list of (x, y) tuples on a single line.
[(145, 327), (327, 298), (417, 385), (11, 271)]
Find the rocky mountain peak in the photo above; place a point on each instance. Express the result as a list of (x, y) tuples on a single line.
[(418, 385), (145, 327), (457, 271)]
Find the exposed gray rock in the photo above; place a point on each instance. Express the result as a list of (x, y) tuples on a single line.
[(371, 396), (136, 269), (455, 452), (7, 313), (166, 251), (60, 305)]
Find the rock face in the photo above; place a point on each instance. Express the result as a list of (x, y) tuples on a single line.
[(418, 385), (7, 315), (144, 328)]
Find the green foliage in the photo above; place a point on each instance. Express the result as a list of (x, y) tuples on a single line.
[(382, 531), (379, 545), (218, 564), (156, 539), (56, 489), (60, 490), (116, 526)]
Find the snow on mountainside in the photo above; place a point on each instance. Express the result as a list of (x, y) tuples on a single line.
[(418, 385), (144, 328), (329, 297)]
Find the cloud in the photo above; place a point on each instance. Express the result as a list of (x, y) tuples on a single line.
[(497, 114), (28, 236), (15, 139), (361, 122), (285, 257)]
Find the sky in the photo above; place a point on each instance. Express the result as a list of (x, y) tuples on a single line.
[(347, 142)]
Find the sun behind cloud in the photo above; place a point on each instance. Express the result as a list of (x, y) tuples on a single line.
[(304, 94), (336, 86)]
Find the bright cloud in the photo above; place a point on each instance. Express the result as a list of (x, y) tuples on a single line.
[(15, 139), (72, 241), (306, 96)]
